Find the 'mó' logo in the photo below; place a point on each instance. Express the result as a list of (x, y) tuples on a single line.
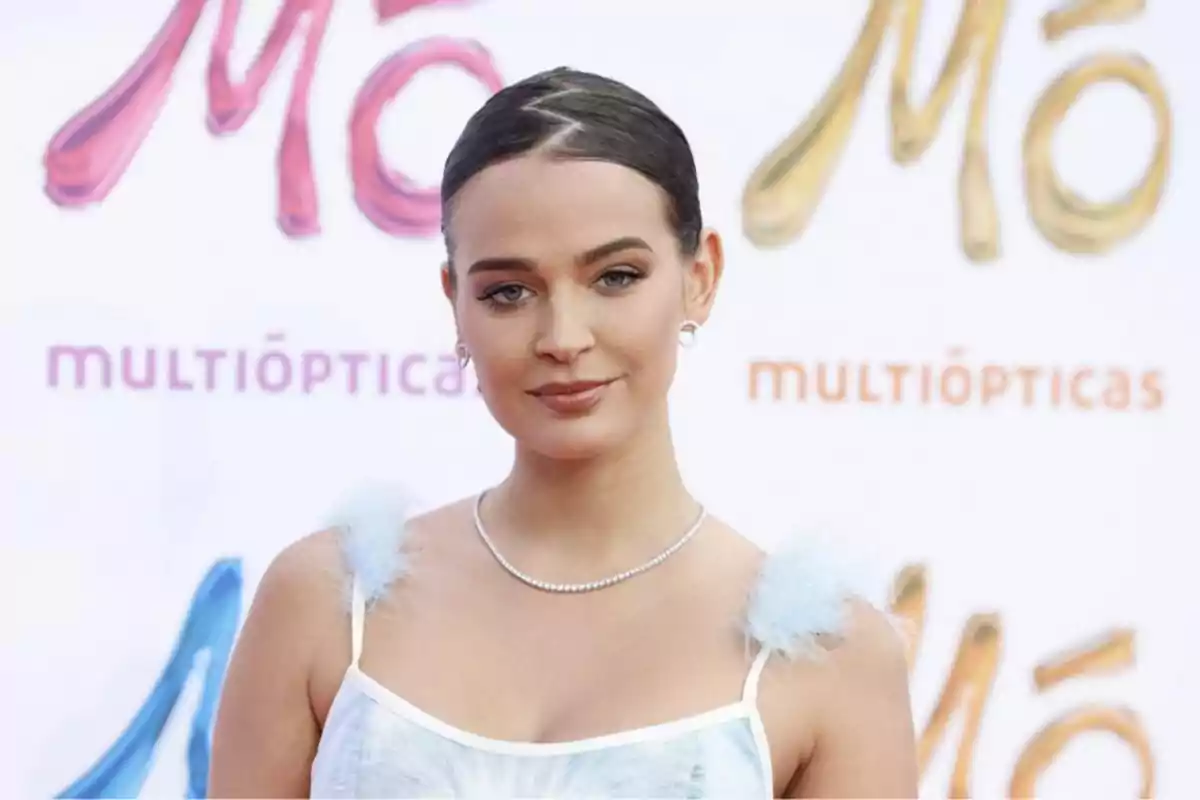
[(88, 155), (784, 191)]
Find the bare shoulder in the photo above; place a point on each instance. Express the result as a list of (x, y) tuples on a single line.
[(735, 541), (267, 727), (300, 606), (863, 737), (438, 520), (308, 574), (870, 648), (738, 557), (443, 533)]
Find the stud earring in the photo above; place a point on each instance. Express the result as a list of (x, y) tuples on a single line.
[(687, 333), (464, 357)]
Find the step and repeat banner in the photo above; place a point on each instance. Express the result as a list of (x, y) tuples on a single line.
[(959, 330)]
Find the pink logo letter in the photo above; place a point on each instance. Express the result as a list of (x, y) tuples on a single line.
[(389, 198), (88, 155)]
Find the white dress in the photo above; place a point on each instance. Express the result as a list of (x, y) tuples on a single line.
[(377, 744)]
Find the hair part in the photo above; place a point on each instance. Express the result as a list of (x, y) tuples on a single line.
[(569, 114)]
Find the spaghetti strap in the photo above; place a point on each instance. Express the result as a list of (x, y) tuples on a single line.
[(750, 689), (358, 612)]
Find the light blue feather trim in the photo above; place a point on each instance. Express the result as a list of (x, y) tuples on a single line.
[(802, 594), (372, 526)]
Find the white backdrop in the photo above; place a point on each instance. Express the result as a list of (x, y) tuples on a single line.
[(1067, 522)]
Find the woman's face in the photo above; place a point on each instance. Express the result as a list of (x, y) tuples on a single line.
[(569, 292)]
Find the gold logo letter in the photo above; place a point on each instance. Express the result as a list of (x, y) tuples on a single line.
[(1114, 652), (969, 683), (784, 191), (1083, 13), (1067, 220)]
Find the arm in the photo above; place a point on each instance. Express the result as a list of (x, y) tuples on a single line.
[(865, 743), (266, 732)]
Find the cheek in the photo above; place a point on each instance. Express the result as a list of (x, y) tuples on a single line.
[(646, 333), (501, 354), (487, 335), (503, 349)]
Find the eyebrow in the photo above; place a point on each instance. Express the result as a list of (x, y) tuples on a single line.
[(586, 258)]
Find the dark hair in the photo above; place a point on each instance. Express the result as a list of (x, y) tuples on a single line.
[(569, 114)]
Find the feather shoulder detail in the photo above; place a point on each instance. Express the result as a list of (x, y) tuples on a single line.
[(803, 595), (371, 523)]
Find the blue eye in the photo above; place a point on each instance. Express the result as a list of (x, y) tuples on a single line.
[(619, 279), (508, 294)]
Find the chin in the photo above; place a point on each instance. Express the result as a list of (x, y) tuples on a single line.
[(573, 440)]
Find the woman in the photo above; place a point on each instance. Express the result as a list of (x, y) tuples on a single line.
[(583, 628)]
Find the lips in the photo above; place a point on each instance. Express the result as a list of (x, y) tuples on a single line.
[(563, 389), (571, 398)]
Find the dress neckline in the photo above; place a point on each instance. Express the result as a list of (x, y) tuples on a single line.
[(740, 709)]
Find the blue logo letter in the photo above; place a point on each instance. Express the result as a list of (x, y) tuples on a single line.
[(211, 625)]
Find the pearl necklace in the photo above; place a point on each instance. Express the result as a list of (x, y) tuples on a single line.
[(590, 586)]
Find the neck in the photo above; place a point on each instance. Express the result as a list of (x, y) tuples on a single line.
[(630, 493)]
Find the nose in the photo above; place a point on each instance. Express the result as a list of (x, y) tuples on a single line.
[(565, 331)]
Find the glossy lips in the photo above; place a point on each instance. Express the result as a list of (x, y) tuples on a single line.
[(576, 397)]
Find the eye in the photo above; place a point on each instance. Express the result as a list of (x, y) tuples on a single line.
[(506, 294), (619, 278)]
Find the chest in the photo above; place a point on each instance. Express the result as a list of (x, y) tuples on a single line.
[(375, 748), (509, 663)]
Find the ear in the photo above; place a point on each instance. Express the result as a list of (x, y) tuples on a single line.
[(703, 277), (450, 288)]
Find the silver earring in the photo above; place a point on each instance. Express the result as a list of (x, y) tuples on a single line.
[(464, 357), (687, 333)]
